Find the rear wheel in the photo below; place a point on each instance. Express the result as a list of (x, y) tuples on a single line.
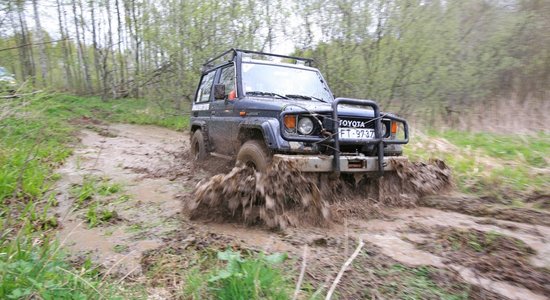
[(254, 153), (198, 147)]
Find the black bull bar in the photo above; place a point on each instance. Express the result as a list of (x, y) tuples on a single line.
[(334, 138)]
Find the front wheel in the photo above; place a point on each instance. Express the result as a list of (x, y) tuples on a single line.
[(198, 146), (254, 154)]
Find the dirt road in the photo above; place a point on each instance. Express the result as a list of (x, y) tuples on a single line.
[(153, 176)]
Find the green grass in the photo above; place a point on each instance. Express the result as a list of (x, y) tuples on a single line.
[(531, 150), (33, 266), (38, 131), (96, 215), (507, 167), (37, 134), (133, 111), (92, 187), (232, 275), (254, 277)]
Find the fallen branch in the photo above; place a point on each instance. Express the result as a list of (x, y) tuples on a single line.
[(301, 277), (344, 268), (19, 95)]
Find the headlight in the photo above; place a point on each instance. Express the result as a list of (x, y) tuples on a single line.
[(305, 125), (383, 129)]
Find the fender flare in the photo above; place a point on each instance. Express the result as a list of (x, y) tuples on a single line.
[(270, 132)]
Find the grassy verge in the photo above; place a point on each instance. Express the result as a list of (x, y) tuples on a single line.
[(37, 133), (208, 273), (510, 168)]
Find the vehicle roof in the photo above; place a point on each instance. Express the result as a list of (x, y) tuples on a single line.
[(247, 57), (278, 63)]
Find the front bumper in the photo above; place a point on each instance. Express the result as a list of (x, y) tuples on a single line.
[(334, 137), (348, 164)]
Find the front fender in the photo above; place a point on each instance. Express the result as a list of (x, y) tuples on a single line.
[(270, 130), (198, 124)]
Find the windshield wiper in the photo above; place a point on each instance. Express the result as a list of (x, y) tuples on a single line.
[(305, 97), (258, 93)]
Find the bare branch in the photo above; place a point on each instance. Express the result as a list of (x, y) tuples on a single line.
[(33, 44)]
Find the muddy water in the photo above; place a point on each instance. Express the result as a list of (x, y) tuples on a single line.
[(150, 164), (129, 156)]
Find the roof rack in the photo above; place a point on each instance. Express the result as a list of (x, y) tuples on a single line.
[(207, 64)]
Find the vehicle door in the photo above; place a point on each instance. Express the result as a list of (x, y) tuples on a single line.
[(223, 117), (201, 105)]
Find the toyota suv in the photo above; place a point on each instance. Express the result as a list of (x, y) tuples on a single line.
[(258, 108)]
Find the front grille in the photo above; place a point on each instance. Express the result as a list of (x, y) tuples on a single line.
[(348, 122), (356, 123), (352, 122)]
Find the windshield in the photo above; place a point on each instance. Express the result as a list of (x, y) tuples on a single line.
[(287, 82)]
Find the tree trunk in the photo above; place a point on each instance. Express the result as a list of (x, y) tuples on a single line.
[(41, 45), (110, 51), (97, 65), (25, 52), (64, 49), (120, 58), (87, 77)]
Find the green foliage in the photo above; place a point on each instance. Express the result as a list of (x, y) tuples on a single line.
[(496, 165), (428, 59), (106, 189), (37, 132), (250, 278), (133, 111), (96, 215), (84, 192), (230, 275), (29, 149), (530, 149), (32, 266)]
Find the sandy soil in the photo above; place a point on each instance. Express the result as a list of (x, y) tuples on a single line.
[(151, 165)]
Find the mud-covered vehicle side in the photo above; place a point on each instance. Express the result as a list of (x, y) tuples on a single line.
[(257, 110)]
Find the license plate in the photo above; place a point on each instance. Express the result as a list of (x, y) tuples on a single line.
[(356, 133)]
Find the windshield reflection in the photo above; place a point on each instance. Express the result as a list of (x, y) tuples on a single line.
[(288, 82)]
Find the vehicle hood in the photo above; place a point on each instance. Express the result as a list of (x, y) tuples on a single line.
[(305, 105), (7, 78)]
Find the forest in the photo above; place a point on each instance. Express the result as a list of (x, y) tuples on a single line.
[(99, 183), (462, 64)]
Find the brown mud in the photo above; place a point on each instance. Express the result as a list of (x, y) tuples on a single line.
[(148, 206), (477, 207), (154, 244), (492, 254), (283, 196)]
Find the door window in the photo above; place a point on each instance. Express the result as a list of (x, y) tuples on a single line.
[(205, 88), (227, 78)]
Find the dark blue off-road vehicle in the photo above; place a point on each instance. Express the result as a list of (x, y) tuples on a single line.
[(253, 108)]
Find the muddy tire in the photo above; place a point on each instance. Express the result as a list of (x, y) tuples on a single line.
[(255, 154), (198, 146)]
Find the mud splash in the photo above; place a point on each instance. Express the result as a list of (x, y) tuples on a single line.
[(279, 198), (283, 196)]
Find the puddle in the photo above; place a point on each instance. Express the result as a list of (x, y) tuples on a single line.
[(151, 166), (151, 207)]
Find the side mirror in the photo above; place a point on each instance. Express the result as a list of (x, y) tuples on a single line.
[(219, 91)]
